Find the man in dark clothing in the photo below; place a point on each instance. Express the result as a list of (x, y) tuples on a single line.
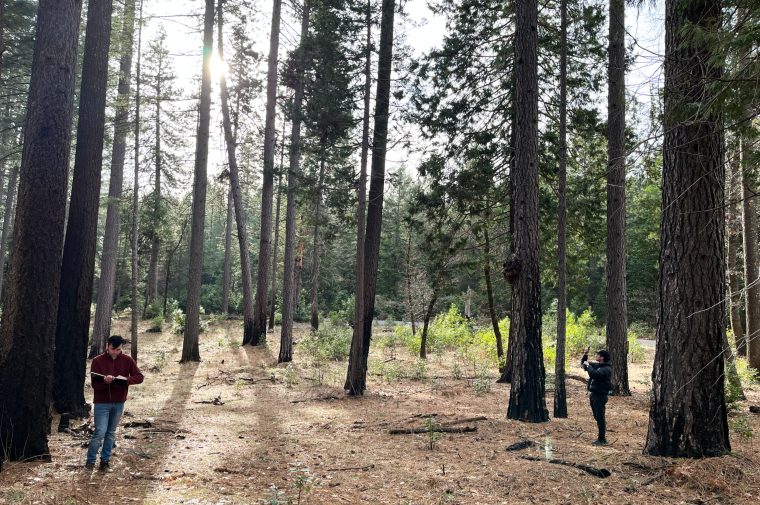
[(112, 374), (599, 387)]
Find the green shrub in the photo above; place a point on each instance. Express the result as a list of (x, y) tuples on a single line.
[(157, 324), (446, 332), (178, 321), (153, 310), (635, 350), (331, 343)]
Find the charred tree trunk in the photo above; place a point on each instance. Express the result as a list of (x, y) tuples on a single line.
[(227, 255), (560, 395), (688, 414), (527, 400), (136, 195), (9, 200), (267, 187), (110, 256), (290, 286), (315, 252), (376, 190), (27, 330), (78, 266), (237, 197), (190, 351), (491, 308), (276, 243), (428, 315), (617, 312)]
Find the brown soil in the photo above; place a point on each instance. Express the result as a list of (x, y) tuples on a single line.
[(235, 453)]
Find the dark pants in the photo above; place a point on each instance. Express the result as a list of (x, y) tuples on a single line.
[(598, 407)]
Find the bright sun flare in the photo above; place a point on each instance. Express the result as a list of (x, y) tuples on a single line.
[(217, 67)]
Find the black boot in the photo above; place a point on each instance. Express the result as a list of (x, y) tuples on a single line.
[(602, 440)]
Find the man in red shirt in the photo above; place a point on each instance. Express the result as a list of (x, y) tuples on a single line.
[(118, 372)]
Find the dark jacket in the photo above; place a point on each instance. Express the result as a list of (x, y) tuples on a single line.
[(600, 377), (123, 365)]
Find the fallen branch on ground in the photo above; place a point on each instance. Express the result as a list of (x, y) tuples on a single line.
[(596, 472), (443, 429), (322, 398), (576, 377), (521, 445), (363, 468)]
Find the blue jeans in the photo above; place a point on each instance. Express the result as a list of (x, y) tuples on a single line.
[(107, 417)]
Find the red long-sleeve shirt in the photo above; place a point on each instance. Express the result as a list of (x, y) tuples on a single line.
[(123, 365)]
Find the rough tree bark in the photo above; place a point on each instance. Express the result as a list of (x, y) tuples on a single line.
[(110, 255), (560, 394), (357, 378), (688, 415), (237, 197), (9, 201), (527, 400), (276, 242), (190, 351), (267, 185), (27, 330), (136, 194), (227, 252), (289, 283), (315, 250), (356, 354), (78, 266), (617, 312)]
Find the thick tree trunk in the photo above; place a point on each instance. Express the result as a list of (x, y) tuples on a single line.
[(135, 195), (9, 200), (617, 313), (734, 231), (376, 189), (78, 265), (237, 197), (110, 256), (276, 242), (315, 251), (527, 400), (27, 330), (267, 184), (560, 395), (290, 286), (688, 414), (227, 255), (751, 262), (190, 351), (355, 374)]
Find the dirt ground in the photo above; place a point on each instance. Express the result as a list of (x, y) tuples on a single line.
[(258, 443)]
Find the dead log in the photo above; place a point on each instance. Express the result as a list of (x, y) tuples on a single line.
[(362, 468), (439, 428), (576, 377), (596, 472)]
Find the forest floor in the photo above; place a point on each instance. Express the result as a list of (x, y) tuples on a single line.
[(265, 434)]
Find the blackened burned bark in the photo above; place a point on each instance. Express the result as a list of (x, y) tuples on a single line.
[(560, 394), (78, 266), (355, 375), (376, 188), (429, 315), (190, 350), (688, 415), (527, 400), (617, 312), (290, 287), (267, 185), (227, 255), (315, 249), (110, 255), (237, 197), (27, 330)]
